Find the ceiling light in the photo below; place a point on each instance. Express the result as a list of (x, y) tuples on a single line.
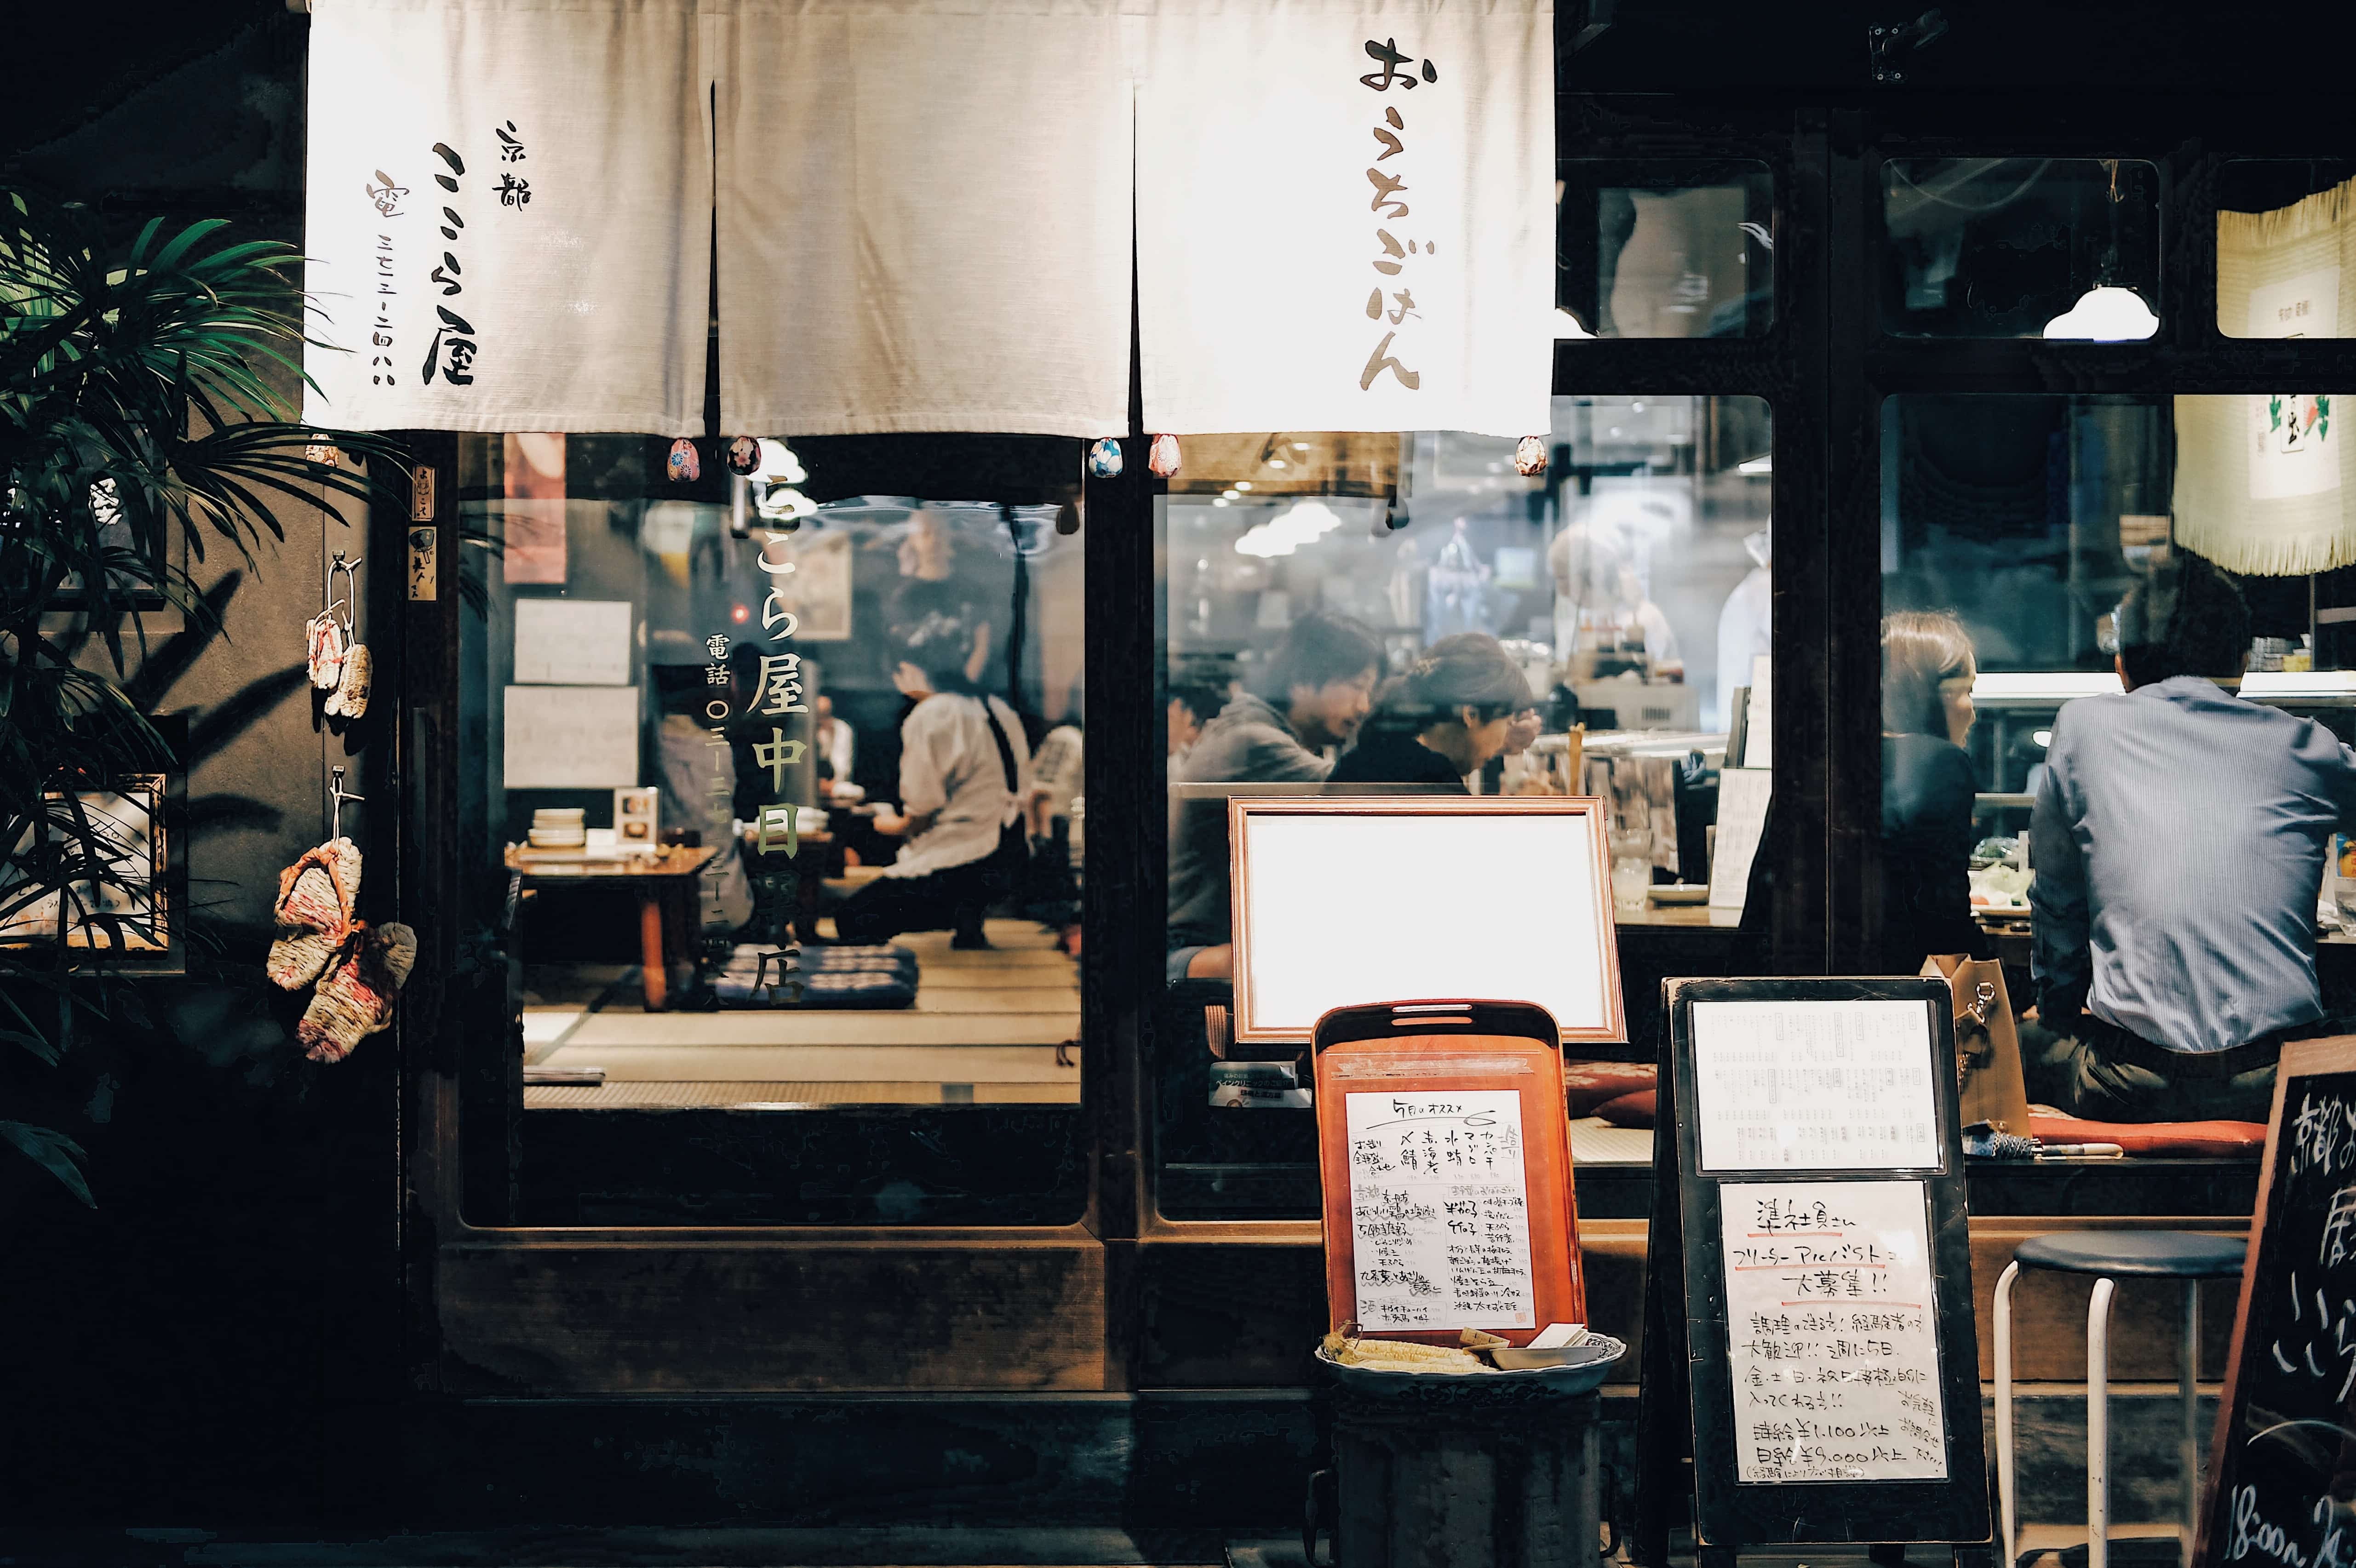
[(2105, 314), (1763, 464), (1243, 483), (1276, 462), (1300, 446)]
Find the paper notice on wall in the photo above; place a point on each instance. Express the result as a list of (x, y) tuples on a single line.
[(572, 737), (1832, 1332), (1815, 1086), (572, 642), (2304, 307), (1440, 1211), (1742, 796), (1759, 729)]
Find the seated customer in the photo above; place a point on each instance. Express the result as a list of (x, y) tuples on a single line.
[(1443, 719), (2178, 839), (1927, 791), (962, 762), (1320, 682)]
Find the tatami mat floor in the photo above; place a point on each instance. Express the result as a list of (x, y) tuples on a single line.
[(988, 1027)]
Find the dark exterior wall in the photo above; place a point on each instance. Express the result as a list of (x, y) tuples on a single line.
[(172, 1354)]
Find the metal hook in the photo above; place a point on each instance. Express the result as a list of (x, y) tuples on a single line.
[(350, 569), (339, 794)]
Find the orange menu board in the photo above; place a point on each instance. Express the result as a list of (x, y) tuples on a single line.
[(1446, 1157)]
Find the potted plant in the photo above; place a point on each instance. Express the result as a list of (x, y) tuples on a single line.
[(139, 426)]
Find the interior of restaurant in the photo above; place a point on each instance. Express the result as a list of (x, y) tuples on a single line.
[(1595, 617)]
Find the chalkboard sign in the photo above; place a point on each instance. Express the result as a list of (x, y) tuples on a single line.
[(2281, 1489), (1809, 1343)]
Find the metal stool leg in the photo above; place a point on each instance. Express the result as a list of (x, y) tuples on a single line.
[(2098, 1425), (2004, 1488), (2188, 1372)]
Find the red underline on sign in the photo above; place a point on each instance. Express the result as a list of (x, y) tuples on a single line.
[(1765, 1235)]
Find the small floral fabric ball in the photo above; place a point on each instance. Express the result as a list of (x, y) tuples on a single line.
[(1105, 460), (685, 467), (744, 456), (1164, 459), (1529, 456)]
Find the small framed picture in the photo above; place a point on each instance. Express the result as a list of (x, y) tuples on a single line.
[(635, 814)]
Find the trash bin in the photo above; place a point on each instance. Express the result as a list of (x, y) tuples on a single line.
[(1486, 1470)]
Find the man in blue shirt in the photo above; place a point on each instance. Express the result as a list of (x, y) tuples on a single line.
[(2179, 841)]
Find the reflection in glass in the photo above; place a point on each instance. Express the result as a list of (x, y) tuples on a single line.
[(2026, 520), (2286, 248), (2014, 248), (1412, 614), (787, 796), (1665, 248)]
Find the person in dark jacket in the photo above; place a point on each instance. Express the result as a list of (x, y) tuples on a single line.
[(1927, 790), (1320, 683), (1445, 719)]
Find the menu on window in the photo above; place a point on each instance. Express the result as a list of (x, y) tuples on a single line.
[(1832, 1335), (1440, 1211), (1815, 1085)]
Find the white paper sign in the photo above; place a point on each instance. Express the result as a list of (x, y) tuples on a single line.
[(1832, 1332), (1815, 1086), (1345, 216), (572, 642), (1742, 796), (1440, 1211), (572, 737), (2293, 445)]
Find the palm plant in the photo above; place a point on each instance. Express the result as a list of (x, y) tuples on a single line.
[(138, 424)]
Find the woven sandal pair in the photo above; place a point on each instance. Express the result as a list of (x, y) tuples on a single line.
[(359, 969), (338, 665)]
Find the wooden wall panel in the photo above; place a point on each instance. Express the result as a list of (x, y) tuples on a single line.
[(681, 1317)]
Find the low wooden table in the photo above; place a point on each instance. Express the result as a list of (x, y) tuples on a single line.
[(664, 882)]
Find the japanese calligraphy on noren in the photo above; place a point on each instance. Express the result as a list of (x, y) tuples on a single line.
[(1392, 304), (1440, 1211), (452, 353), (1832, 1337)]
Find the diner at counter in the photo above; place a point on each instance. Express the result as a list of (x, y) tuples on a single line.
[(2179, 838)]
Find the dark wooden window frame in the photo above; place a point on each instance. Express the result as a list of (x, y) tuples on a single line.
[(1122, 1298)]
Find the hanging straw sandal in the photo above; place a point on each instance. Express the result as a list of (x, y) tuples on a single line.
[(356, 998), (315, 899)]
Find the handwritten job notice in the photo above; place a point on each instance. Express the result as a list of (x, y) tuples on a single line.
[(1440, 1211), (1831, 1329), (1815, 1086)]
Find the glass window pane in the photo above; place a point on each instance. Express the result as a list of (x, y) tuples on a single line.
[(2285, 248), (1665, 248), (2063, 248), (784, 801), (2021, 523), (1410, 614)]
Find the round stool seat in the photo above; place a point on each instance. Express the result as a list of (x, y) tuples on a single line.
[(2151, 1254)]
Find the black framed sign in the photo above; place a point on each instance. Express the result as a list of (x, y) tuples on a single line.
[(1809, 1338)]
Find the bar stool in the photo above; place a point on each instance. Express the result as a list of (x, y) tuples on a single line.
[(2109, 1256)]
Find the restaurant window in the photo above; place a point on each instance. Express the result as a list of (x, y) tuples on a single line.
[(2013, 527), (2062, 248), (2285, 247), (781, 825), (1665, 248), (1410, 614)]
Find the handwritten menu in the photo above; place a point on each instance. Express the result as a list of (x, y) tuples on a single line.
[(1832, 1332), (2282, 1498), (1815, 1085), (1440, 1211)]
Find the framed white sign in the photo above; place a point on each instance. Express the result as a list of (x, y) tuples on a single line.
[(1341, 900)]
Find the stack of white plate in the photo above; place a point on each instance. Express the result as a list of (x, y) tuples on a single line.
[(558, 829)]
